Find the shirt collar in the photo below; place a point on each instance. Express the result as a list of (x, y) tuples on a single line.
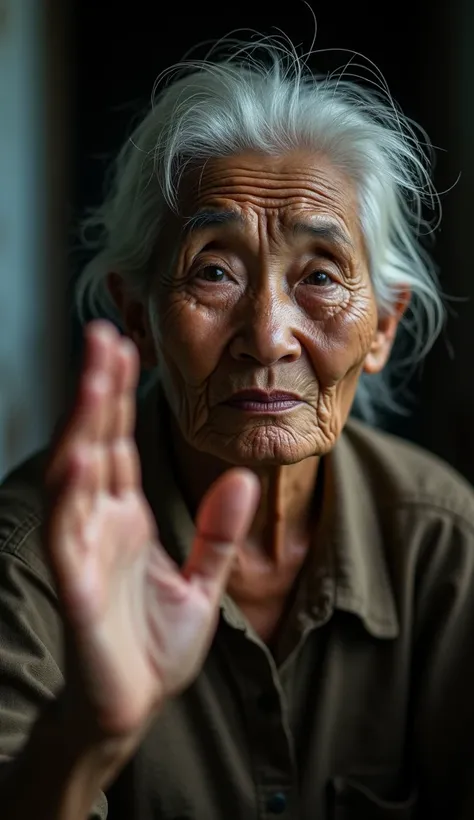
[(363, 584), (352, 575)]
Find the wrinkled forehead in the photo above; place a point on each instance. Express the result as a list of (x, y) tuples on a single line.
[(280, 188)]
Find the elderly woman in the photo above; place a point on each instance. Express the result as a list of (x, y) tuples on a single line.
[(268, 607)]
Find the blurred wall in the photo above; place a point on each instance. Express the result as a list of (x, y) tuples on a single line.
[(447, 396), (30, 283)]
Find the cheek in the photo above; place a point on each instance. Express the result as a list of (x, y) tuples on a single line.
[(192, 338), (343, 340)]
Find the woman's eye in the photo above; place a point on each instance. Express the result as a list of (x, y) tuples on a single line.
[(212, 273), (318, 277)]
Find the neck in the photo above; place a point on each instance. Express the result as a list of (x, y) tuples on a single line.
[(287, 508)]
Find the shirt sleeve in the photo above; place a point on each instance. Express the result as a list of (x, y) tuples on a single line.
[(31, 637), (443, 673)]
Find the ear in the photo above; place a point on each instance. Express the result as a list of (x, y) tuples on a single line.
[(385, 333), (135, 320)]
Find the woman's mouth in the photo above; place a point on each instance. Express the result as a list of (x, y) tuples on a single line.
[(263, 401)]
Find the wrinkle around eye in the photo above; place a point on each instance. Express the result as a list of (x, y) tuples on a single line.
[(317, 300)]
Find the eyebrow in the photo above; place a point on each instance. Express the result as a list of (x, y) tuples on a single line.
[(325, 230), (210, 219)]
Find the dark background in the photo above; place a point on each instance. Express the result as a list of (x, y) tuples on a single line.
[(422, 48)]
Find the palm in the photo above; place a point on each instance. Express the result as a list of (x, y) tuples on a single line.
[(139, 626)]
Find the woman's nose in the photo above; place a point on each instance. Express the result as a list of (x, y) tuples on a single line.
[(266, 334)]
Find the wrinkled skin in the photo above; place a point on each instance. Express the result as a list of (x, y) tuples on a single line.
[(266, 323), (256, 299)]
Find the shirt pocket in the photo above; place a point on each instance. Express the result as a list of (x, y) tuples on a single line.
[(355, 799)]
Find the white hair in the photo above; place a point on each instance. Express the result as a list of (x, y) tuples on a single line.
[(273, 104)]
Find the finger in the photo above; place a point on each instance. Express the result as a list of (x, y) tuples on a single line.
[(86, 420), (69, 554), (100, 356), (126, 381), (66, 518), (125, 472), (98, 335), (84, 429), (223, 521)]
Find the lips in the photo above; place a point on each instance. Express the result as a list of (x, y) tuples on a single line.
[(261, 401)]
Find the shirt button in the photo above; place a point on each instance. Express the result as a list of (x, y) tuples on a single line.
[(268, 702), (276, 804)]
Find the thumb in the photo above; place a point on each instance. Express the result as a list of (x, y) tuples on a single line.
[(223, 520)]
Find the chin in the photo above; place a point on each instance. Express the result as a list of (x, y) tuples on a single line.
[(264, 446)]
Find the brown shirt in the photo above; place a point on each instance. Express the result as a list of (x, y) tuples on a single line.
[(365, 708)]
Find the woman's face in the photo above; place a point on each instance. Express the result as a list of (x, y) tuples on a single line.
[(268, 295)]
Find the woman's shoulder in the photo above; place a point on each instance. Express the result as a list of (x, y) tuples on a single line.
[(21, 513), (403, 474)]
